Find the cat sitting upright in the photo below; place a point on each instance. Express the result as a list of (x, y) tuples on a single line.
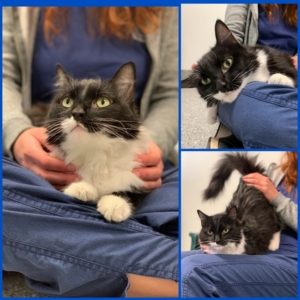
[(250, 224), (94, 125), (228, 67)]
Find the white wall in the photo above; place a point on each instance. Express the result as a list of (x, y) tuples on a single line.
[(197, 30), (196, 169)]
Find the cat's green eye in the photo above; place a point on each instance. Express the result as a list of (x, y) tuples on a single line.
[(103, 102), (205, 80), (226, 230), (209, 232), (227, 63), (67, 102)]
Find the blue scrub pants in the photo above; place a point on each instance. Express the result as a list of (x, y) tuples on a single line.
[(263, 116), (64, 246), (272, 275)]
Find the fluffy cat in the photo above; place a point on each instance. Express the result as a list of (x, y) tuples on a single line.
[(94, 125), (228, 67), (250, 224)]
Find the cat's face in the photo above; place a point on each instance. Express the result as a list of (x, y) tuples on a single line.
[(93, 106), (220, 73), (220, 232)]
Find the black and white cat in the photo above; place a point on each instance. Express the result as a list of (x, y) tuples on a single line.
[(228, 67), (250, 224), (94, 125)]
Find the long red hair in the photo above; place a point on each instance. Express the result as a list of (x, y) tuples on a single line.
[(289, 12), (290, 168), (120, 22)]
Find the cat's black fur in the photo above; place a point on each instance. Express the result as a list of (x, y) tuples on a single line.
[(245, 62), (120, 119), (248, 211)]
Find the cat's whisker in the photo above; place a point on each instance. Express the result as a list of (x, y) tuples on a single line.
[(114, 120), (114, 132), (117, 128), (207, 97), (117, 131), (243, 74), (251, 67)]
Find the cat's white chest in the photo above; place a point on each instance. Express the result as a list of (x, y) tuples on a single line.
[(105, 163)]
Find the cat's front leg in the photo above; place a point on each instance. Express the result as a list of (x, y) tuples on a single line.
[(275, 241), (114, 208), (82, 190), (211, 114), (282, 79)]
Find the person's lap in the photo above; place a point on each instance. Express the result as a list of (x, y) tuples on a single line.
[(263, 116), (272, 275), (65, 247)]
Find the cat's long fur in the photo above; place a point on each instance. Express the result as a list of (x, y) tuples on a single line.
[(103, 143), (258, 221), (248, 63)]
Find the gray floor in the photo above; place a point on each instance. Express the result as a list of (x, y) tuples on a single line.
[(194, 129), (14, 286)]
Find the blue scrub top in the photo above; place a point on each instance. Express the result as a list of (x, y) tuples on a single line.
[(84, 56), (276, 33)]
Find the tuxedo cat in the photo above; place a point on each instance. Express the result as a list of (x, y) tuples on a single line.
[(228, 67), (250, 224), (94, 125)]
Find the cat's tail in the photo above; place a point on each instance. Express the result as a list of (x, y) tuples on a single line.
[(238, 161)]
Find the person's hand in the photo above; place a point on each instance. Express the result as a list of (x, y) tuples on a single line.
[(295, 61), (32, 152), (151, 167), (263, 184)]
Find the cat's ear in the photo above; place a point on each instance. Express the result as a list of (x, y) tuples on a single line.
[(190, 82), (202, 215), (223, 34), (232, 212), (62, 77), (124, 81)]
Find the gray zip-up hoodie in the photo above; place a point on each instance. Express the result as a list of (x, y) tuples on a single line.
[(159, 103), (242, 20), (287, 209)]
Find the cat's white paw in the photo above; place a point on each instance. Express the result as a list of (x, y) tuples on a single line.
[(282, 79), (274, 243), (82, 191), (114, 208)]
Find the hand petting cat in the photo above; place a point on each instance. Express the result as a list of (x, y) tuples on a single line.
[(263, 184), (152, 167)]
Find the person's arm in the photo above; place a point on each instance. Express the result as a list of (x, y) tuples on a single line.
[(20, 139), (14, 119), (162, 116), (236, 18), (146, 286), (287, 210)]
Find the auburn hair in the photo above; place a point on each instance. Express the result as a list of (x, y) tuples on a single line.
[(289, 12), (290, 168), (120, 22)]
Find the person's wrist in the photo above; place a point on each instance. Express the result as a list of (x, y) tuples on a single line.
[(13, 146), (273, 195)]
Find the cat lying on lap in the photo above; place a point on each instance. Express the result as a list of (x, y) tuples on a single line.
[(93, 124), (228, 67), (250, 224)]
